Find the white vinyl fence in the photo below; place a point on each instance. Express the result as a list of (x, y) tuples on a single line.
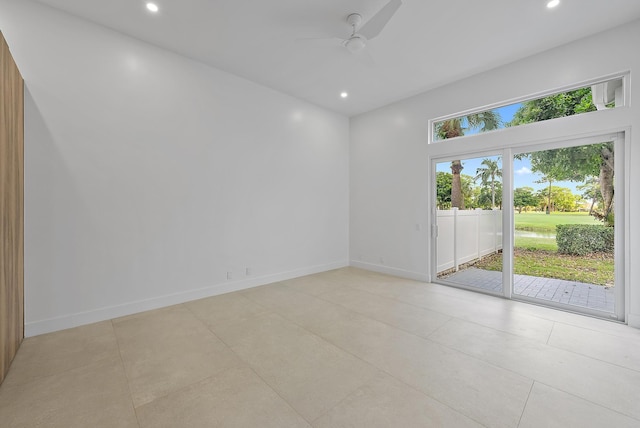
[(464, 236)]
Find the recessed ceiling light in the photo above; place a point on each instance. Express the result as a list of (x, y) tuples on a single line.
[(344, 94), (152, 7), (553, 3)]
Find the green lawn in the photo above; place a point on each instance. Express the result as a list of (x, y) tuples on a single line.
[(545, 223), (526, 243), (541, 222), (596, 269), (537, 256)]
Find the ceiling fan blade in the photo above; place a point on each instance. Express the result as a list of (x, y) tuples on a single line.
[(375, 25)]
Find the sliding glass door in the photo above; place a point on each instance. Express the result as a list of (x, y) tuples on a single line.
[(542, 224), (469, 222), (565, 221)]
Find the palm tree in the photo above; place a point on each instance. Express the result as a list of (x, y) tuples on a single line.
[(488, 174), (451, 128)]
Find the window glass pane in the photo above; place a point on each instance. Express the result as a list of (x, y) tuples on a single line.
[(600, 96), (469, 219), (564, 226)]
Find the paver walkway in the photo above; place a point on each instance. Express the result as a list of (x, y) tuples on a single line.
[(556, 290)]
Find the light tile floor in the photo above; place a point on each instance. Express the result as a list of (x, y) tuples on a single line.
[(556, 290), (345, 348)]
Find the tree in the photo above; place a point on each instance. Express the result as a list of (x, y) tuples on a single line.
[(591, 191), (488, 172), (524, 197), (555, 198), (470, 192), (571, 163), (443, 190), (554, 106), (545, 193), (489, 199), (580, 164), (457, 198), (456, 127), (563, 199)]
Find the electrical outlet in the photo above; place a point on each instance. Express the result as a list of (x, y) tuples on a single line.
[(247, 271), (229, 275)]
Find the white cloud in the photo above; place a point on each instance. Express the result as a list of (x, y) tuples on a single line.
[(523, 170)]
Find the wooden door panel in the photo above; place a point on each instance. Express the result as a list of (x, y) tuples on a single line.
[(11, 208)]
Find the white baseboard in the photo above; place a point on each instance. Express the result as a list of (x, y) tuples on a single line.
[(418, 276), (633, 320), (35, 328)]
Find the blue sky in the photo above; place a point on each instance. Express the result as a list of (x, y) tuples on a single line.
[(506, 114), (522, 176)]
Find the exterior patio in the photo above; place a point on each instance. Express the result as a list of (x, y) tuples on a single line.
[(555, 290)]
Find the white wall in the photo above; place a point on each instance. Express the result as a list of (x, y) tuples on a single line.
[(389, 150), (149, 176)]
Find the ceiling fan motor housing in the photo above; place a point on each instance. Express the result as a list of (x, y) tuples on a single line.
[(355, 19), (356, 43)]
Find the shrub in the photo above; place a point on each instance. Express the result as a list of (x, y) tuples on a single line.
[(583, 239)]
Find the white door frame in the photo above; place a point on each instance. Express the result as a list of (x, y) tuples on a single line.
[(621, 146)]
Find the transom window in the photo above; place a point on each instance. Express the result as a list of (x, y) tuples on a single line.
[(600, 95)]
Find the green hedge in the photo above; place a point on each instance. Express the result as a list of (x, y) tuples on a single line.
[(583, 239)]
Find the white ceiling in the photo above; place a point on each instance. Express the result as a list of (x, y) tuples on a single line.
[(426, 44)]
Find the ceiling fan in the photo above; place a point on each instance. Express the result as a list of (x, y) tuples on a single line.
[(373, 27)]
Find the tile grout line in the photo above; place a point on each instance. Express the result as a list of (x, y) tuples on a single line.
[(606, 322), (291, 287), (591, 357), (249, 366), (382, 370), (319, 296), (427, 339), (550, 333), (346, 396), (536, 380), (289, 320), (278, 394), (394, 299), (184, 386), (355, 312), (588, 401), (526, 402), (67, 370), (586, 355), (271, 311), (413, 334), (124, 371), (440, 327), (411, 387), (359, 359), (515, 308), (451, 317), (530, 340)]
